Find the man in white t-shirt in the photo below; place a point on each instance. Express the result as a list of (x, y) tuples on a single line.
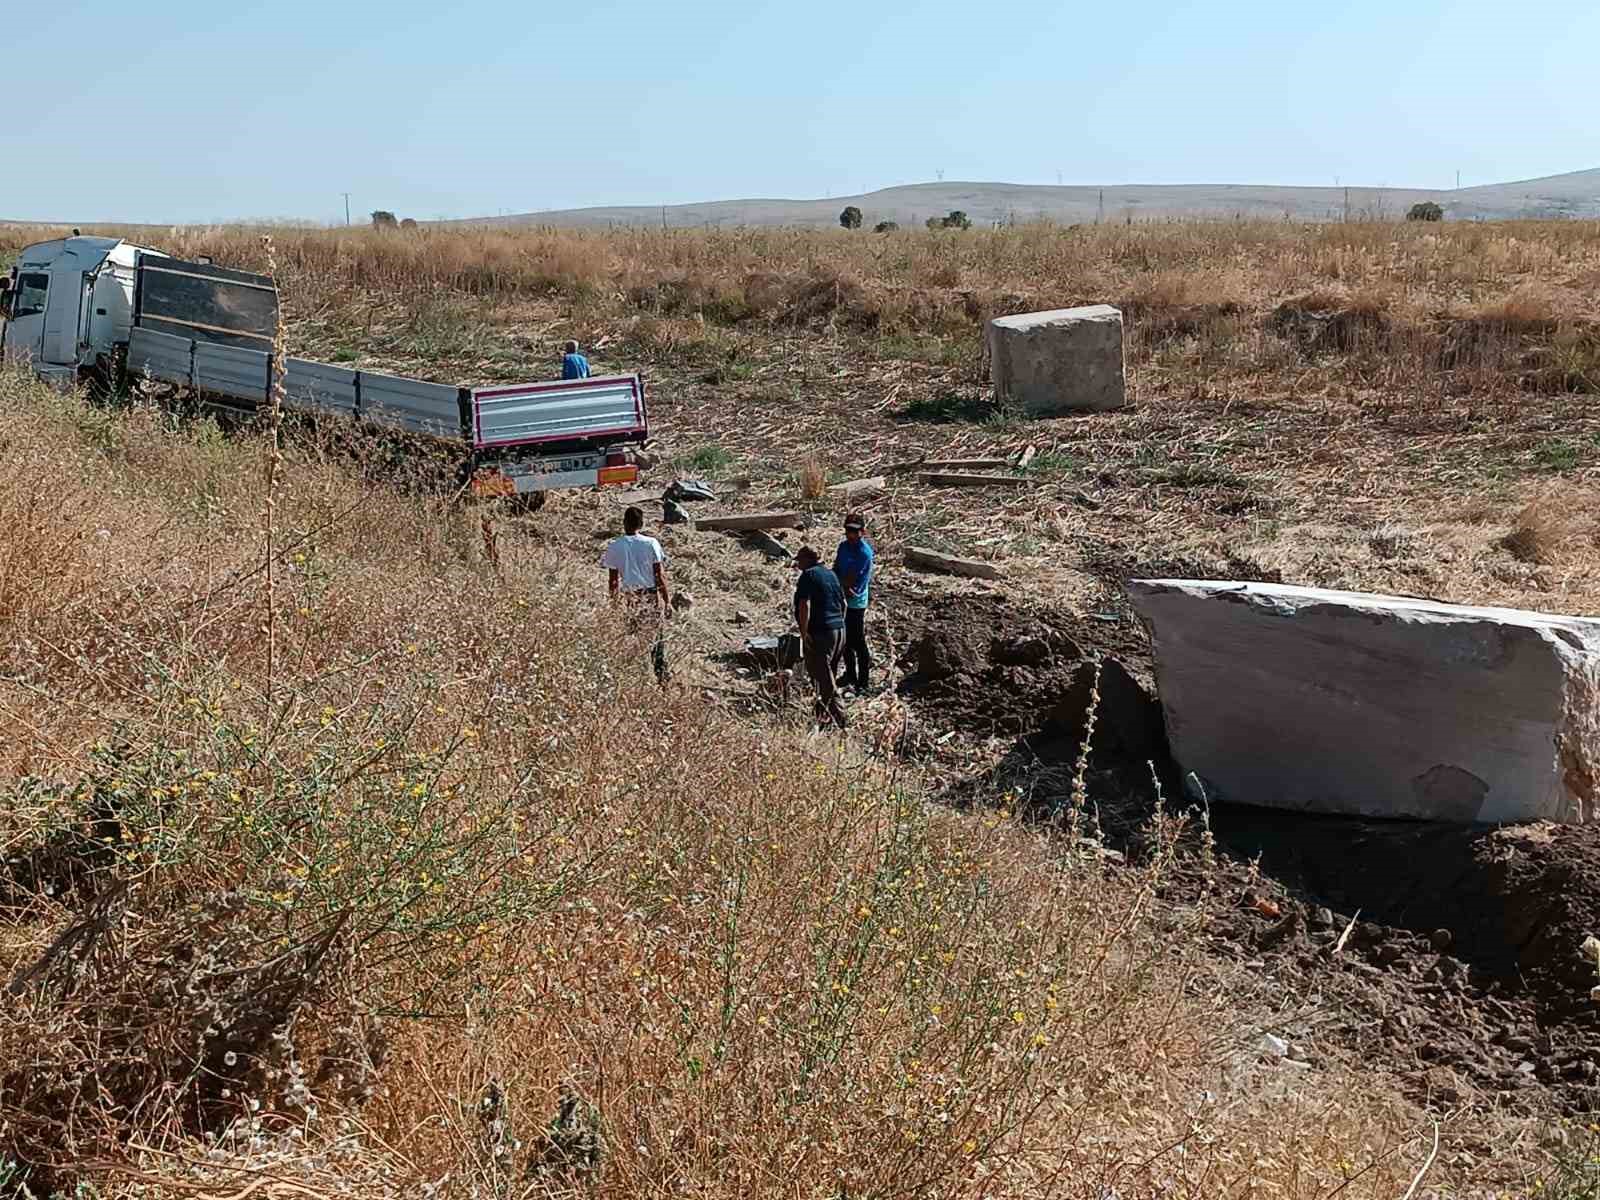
[(638, 576)]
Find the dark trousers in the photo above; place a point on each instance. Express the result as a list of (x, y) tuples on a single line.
[(857, 658), (644, 617), (822, 658)]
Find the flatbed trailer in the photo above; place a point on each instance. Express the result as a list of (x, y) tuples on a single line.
[(99, 307)]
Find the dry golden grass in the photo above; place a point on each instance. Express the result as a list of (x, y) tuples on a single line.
[(1313, 400), (353, 912)]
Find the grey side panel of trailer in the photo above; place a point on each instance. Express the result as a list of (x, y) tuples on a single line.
[(546, 412), (232, 371), (319, 387), (160, 356), (410, 404)]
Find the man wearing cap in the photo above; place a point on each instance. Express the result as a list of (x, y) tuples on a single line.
[(853, 565), (819, 611)]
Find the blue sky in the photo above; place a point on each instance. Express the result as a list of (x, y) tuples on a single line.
[(190, 110)]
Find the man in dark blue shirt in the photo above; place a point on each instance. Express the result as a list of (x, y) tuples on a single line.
[(819, 611), (573, 364), (853, 565)]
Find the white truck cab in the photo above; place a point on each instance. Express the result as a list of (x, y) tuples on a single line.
[(68, 303)]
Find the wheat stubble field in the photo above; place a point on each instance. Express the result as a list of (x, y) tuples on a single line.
[(386, 871)]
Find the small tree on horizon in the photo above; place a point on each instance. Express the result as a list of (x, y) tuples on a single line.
[(885, 227), (383, 220), (850, 218), (956, 220), (1427, 210)]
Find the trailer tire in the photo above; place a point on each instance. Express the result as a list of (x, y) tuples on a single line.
[(527, 503)]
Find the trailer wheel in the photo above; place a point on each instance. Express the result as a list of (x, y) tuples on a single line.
[(528, 503)]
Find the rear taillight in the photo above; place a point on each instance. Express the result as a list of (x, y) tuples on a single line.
[(492, 483)]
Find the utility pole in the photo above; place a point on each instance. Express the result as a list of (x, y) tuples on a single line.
[(1100, 213), (1458, 181), (346, 196)]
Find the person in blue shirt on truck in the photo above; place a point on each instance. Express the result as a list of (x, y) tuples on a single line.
[(573, 364), (853, 565)]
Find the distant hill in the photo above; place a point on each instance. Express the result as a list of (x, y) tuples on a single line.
[(1575, 194)]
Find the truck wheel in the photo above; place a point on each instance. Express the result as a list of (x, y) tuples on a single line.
[(528, 503)]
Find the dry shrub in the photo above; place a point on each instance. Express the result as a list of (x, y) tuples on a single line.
[(1526, 310), (1550, 525), (813, 479)]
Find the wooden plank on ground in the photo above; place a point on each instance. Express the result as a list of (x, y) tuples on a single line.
[(963, 464), (955, 479), (932, 560), (850, 488), (755, 520), (905, 468)]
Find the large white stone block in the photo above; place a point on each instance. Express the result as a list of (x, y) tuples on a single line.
[(1385, 706), (1068, 360)]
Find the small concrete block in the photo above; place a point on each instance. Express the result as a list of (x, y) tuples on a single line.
[(1066, 360)]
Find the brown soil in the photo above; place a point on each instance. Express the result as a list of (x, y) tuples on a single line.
[(1461, 973), (990, 666)]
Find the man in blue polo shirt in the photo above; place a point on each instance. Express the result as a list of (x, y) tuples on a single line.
[(573, 364), (853, 565), (819, 612)]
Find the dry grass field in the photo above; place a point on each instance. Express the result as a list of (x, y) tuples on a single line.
[(336, 859)]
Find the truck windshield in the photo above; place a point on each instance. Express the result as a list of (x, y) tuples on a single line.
[(29, 298)]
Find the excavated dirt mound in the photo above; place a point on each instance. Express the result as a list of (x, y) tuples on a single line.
[(987, 667), (1460, 970)]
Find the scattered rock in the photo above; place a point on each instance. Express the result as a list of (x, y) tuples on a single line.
[(673, 513), (1273, 1045), (1440, 939), (1321, 917), (741, 618), (1443, 1087), (944, 653), (760, 539), (1388, 955), (682, 601), (690, 489), (773, 653), (1031, 651)]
